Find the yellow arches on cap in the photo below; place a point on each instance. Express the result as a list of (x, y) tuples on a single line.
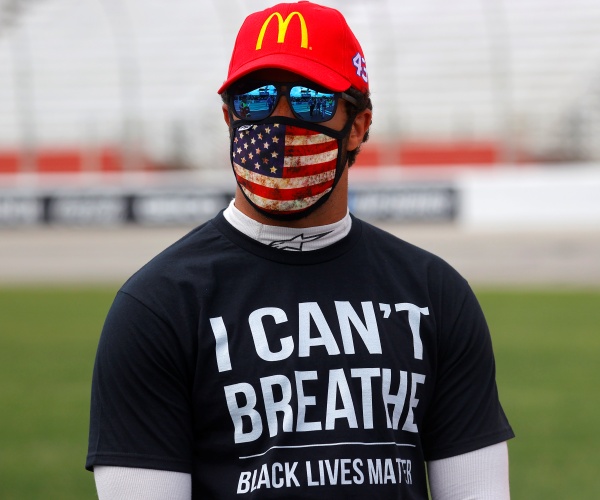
[(282, 27)]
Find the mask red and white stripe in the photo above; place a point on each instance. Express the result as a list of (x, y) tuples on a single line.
[(284, 169)]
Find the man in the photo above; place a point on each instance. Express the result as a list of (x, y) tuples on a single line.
[(286, 349)]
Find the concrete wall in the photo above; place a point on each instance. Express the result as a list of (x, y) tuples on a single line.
[(561, 197), (527, 197), (566, 197)]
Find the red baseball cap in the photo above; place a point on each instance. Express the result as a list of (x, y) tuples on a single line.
[(304, 37)]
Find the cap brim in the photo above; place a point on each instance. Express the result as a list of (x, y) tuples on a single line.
[(308, 69)]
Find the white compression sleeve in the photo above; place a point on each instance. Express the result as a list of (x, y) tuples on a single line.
[(478, 475), (119, 483)]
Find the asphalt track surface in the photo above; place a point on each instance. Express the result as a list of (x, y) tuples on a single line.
[(59, 255)]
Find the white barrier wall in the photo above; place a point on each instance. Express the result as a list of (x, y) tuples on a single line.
[(489, 198), (565, 197)]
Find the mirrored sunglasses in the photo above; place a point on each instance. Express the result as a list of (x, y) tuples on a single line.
[(255, 102)]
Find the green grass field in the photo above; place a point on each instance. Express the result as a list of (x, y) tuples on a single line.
[(547, 349)]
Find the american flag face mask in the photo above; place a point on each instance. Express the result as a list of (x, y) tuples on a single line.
[(285, 169)]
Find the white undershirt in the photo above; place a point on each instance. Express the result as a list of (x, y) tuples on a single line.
[(478, 475), (127, 483), (288, 238)]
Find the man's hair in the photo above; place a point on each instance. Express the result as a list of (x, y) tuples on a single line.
[(363, 102)]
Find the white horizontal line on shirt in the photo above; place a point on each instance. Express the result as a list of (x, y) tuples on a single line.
[(327, 444)]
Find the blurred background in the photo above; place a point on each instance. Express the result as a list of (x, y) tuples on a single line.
[(487, 112), (484, 149)]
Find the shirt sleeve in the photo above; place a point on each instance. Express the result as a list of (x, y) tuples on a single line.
[(140, 405), (465, 413)]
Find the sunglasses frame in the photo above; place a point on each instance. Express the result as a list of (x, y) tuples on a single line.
[(283, 89)]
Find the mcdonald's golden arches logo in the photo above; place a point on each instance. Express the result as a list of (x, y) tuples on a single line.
[(282, 26)]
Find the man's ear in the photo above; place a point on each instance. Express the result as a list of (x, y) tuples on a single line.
[(226, 116), (361, 124)]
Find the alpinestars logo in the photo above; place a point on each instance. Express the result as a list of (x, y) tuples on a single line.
[(297, 242)]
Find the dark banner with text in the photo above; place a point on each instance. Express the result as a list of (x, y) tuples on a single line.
[(415, 203)]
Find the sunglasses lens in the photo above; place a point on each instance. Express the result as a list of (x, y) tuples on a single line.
[(307, 103), (312, 105), (255, 104)]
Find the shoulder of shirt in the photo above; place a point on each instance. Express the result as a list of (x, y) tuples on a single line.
[(170, 264), (417, 257)]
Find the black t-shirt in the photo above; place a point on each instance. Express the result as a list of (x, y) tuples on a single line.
[(268, 373)]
